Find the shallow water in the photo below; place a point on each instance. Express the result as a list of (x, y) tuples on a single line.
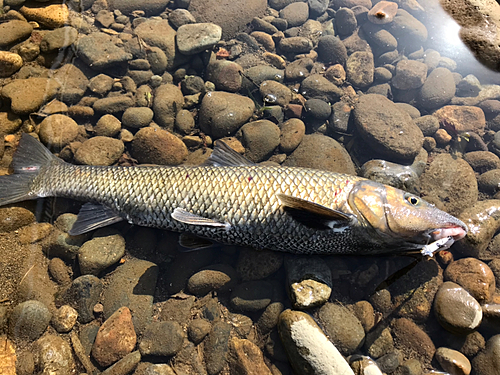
[(312, 84)]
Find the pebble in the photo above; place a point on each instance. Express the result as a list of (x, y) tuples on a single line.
[(226, 75), (28, 95), (463, 118), (29, 320), (383, 12), (437, 90), (105, 249), (57, 131), (197, 37), (257, 265), (411, 339), (198, 329), (217, 277), (360, 69), (252, 295), (333, 157), (246, 358), (83, 295), (113, 104), (482, 161), (115, 339), (137, 117), (389, 131), (318, 87), (409, 31), (292, 133), (295, 14), (460, 187), (14, 218), (14, 31), (58, 39), (161, 339), (474, 276), (299, 69), (400, 176), (222, 113), (99, 51), (363, 365), (453, 361), (309, 281), (456, 310), (216, 347), (260, 139), (52, 16), (125, 365), (331, 50), (59, 271), (107, 126), (317, 110), (99, 150), (9, 63), (167, 101), (379, 342), (429, 124), (101, 84), (410, 74), (295, 45), (345, 22), (121, 291), (336, 74), (308, 349), (54, 355), (487, 361), (468, 86), (264, 39), (64, 319), (275, 93), (158, 146)]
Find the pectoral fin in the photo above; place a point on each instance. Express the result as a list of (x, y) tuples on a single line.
[(312, 214), (189, 218), (93, 216)]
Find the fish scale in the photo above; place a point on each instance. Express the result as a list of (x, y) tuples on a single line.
[(245, 197)]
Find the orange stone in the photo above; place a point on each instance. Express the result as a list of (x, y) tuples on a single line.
[(463, 118), (383, 12)]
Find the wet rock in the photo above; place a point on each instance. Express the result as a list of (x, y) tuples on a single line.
[(14, 31), (400, 176), (299, 69), (99, 51), (252, 295), (438, 89), (101, 84), (260, 138), (365, 313), (113, 104), (226, 75), (125, 365), (381, 75), (336, 74), (197, 37), (318, 87), (413, 340), (9, 122), (54, 355), (360, 68), (379, 342), (99, 151), (83, 295), (57, 131), (58, 39), (292, 133), (468, 86), (59, 271), (216, 347), (158, 146), (275, 93), (64, 319), (383, 12), (107, 126), (246, 358), (168, 100), (449, 183), (9, 63), (487, 361), (115, 339), (380, 39), (317, 110), (198, 329), (345, 21), (295, 45), (217, 277), (52, 16), (474, 276), (482, 161), (308, 349), (309, 281), (390, 362), (386, 129), (189, 361), (333, 156), (150, 7), (264, 39), (28, 95), (256, 265), (331, 50), (295, 14), (222, 113), (409, 31), (137, 117), (462, 118), (428, 124), (453, 361), (161, 339), (488, 181), (410, 74), (29, 320), (456, 310), (104, 250)]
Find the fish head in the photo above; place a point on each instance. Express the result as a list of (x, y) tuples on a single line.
[(401, 215)]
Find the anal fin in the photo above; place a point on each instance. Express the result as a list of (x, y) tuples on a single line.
[(93, 216)]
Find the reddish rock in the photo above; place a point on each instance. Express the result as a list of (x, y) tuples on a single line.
[(462, 118), (115, 339), (474, 276), (158, 146), (383, 12)]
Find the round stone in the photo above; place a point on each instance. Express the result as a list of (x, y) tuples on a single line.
[(158, 146), (64, 319), (9, 63), (100, 151), (57, 131), (29, 320)]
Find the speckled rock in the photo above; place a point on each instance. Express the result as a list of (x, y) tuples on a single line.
[(216, 347), (474, 276), (453, 361), (389, 131), (438, 89), (428, 124), (482, 161), (99, 51), (9, 63), (197, 37), (331, 50), (62, 37), (57, 131), (14, 31), (99, 151), (410, 74), (456, 310), (413, 340), (162, 339), (137, 117), (105, 249), (222, 113), (29, 320), (54, 355), (275, 93), (64, 319), (51, 16), (292, 133), (449, 184), (463, 118), (115, 339), (83, 295), (295, 14), (487, 362), (333, 156), (246, 358), (360, 69), (318, 87), (309, 350), (28, 95), (158, 146), (107, 126), (260, 138)]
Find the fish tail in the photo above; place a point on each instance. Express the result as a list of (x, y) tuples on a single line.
[(30, 159)]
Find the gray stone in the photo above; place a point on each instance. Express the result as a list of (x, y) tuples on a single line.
[(295, 45), (360, 69), (295, 14), (179, 17), (161, 339), (331, 50), (258, 264), (317, 109), (167, 101), (125, 365), (260, 139), (226, 75), (83, 295), (345, 21), (292, 133), (157, 60), (428, 124), (438, 89), (409, 31), (217, 346), (252, 295), (29, 320), (410, 74), (217, 277), (105, 249), (57, 39), (99, 51), (468, 86), (197, 37), (198, 329), (318, 87), (381, 40)]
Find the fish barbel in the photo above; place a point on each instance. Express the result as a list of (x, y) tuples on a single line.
[(233, 201)]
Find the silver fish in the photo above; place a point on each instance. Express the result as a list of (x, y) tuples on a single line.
[(233, 201)]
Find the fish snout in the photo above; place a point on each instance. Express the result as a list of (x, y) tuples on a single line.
[(457, 232)]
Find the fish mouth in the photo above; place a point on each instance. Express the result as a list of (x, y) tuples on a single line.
[(456, 232)]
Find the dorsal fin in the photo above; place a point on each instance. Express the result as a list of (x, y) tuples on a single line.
[(225, 156)]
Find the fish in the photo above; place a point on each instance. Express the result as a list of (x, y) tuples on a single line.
[(231, 200)]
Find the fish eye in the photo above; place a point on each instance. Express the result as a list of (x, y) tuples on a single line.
[(413, 200)]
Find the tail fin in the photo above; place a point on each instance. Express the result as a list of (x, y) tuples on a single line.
[(30, 158)]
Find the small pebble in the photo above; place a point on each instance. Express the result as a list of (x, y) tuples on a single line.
[(453, 361), (64, 319)]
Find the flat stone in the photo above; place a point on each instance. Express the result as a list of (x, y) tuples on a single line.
[(102, 251), (28, 95), (257, 265), (137, 117), (52, 16), (197, 37), (62, 37), (252, 295), (462, 118), (113, 104), (14, 31), (410, 74), (217, 277), (260, 139), (159, 33), (318, 87), (99, 51), (162, 339)]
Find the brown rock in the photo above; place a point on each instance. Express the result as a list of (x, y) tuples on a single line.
[(226, 75), (158, 146), (463, 118), (474, 276), (52, 16), (28, 95), (245, 358), (453, 361), (9, 63), (57, 131), (292, 133), (413, 340), (115, 339), (383, 12), (7, 357)]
